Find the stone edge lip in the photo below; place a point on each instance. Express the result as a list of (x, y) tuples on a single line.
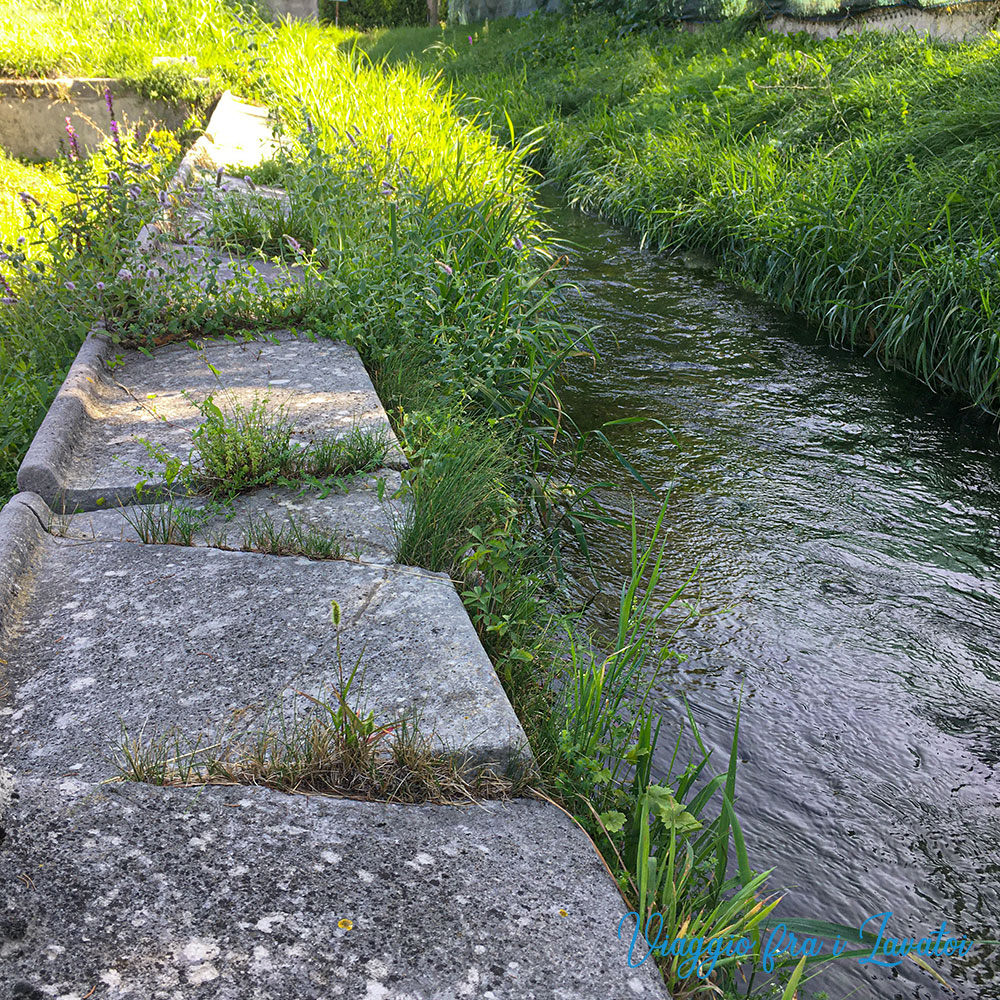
[(48, 457), (22, 529)]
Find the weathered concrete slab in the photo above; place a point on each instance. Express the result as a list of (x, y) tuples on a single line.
[(238, 135), (216, 271), (245, 894), (23, 523), (89, 452), (33, 113), (157, 636), (365, 525)]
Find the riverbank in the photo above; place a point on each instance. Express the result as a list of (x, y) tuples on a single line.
[(387, 222), (852, 180)]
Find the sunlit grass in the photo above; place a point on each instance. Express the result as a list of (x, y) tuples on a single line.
[(116, 37), (852, 180), (43, 180)]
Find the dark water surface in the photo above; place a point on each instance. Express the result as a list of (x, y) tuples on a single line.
[(845, 526)]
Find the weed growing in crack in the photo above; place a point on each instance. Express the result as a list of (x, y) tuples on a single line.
[(263, 534), (167, 522), (242, 448), (311, 743), (357, 451)]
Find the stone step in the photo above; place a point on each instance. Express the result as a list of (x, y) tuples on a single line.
[(101, 634), (364, 524), (92, 450), (242, 893)]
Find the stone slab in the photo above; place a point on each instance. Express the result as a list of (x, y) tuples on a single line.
[(162, 636), (217, 272), (366, 526), (245, 894), (33, 113), (89, 451)]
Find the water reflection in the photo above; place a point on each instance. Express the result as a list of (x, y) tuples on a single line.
[(845, 527)]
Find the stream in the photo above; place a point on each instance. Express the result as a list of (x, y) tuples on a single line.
[(844, 525)]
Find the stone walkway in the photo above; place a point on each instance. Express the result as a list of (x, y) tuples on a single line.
[(131, 890)]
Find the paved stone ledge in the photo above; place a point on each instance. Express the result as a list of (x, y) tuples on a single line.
[(157, 636), (246, 894), (22, 532), (366, 526), (89, 450), (217, 271)]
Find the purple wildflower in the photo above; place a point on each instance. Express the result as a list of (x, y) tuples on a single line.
[(133, 191), (125, 274), (29, 199), (219, 174), (115, 134), (163, 199), (100, 286), (114, 177), (109, 101), (294, 244), (387, 188), (518, 245), (7, 290), (74, 149), (309, 124), (69, 286), (470, 39), (444, 267), (388, 142), (249, 183)]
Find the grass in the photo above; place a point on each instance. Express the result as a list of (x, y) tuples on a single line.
[(250, 445), (423, 249), (44, 38), (321, 745), (44, 181), (853, 180), (263, 534)]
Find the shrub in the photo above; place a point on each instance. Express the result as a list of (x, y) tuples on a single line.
[(375, 13)]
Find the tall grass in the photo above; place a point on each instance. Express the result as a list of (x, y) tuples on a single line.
[(41, 38), (851, 180), (421, 246)]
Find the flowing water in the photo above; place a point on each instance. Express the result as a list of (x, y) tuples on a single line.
[(844, 525)]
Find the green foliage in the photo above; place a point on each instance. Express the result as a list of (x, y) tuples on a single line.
[(456, 486), (375, 13), (45, 38), (58, 271), (851, 180), (243, 448)]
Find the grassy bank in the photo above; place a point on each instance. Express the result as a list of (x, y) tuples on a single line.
[(853, 181), (45, 38), (421, 247)]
